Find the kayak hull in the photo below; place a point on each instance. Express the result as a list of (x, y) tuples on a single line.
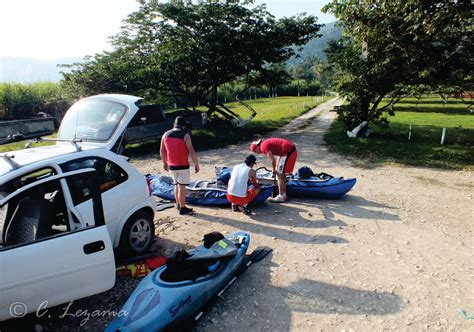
[(332, 188), (163, 187), (157, 305), (320, 186)]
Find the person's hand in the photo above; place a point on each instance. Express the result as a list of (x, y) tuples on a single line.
[(166, 167), (196, 168)]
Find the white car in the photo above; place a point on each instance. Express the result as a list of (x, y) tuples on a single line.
[(63, 209), (111, 121)]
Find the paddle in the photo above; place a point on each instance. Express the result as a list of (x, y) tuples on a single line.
[(274, 187), (275, 190)]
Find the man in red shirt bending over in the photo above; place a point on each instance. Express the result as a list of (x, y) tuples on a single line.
[(286, 152), (176, 145)]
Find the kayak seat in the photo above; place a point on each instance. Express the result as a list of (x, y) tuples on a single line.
[(179, 268), (206, 185)]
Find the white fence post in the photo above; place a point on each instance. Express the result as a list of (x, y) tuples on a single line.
[(409, 132), (443, 134)]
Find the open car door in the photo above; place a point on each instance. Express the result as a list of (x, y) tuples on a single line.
[(45, 259)]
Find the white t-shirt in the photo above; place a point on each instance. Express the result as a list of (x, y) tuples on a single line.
[(238, 181)]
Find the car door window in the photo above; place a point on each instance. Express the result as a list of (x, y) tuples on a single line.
[(39, 212), (109, 175), (15, 184), (25, 179)]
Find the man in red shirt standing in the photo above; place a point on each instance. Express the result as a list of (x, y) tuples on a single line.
[(286, 152), (176, 145)]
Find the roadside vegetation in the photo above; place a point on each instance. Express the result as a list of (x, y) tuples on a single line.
[(272, 113), (427, 118), (21, 145)]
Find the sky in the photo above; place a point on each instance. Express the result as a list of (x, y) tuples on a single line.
[(54, 29)]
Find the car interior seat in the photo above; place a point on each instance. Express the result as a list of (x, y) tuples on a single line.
[(32, 220)]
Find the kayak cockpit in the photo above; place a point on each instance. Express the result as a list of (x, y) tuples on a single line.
[(198, 265)]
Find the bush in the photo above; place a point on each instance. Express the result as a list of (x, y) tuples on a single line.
[(27, 100)]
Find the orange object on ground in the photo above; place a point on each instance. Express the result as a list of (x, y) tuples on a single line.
[(142, 268)]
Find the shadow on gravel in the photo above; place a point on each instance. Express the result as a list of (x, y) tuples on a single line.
[(251, 304), (166, 247), (350, 206), (254, 303), (319, 297), (265, 229)]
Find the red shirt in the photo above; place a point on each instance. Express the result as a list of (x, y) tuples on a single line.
[(277, 146)]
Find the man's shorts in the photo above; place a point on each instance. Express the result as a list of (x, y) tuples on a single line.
[(286, 164), (181, 176), (251, 194)]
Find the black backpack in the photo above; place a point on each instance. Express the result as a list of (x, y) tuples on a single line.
[(304, 172)]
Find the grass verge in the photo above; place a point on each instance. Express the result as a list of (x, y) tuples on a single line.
[(272, 113), (424, 148), (21, 145)]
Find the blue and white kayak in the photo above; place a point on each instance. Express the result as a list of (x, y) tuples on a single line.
[(157, 304), (320, 185), (209, 193)]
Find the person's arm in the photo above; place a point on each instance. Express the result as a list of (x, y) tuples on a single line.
[(272, 159), (189, 145), (164, 153), (253, 178)]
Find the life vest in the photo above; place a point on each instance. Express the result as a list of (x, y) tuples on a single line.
[(176, 148)]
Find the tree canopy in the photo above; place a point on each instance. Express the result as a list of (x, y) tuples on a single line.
[(390, 46), (186, 50)]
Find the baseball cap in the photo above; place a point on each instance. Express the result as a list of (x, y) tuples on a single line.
[(254, 145)]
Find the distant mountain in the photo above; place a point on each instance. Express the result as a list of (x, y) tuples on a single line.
[(316, 46), (29, 70)]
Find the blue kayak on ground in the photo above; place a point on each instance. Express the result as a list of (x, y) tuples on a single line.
[(209, 193), (320, 185), (159, 303)]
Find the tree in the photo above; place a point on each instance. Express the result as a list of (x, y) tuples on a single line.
[(298, 73), (271, 76), (390, 46), (185, 50)]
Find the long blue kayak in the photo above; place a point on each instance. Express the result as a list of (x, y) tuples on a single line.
[(209, 193), (320, 185), (165, 298)]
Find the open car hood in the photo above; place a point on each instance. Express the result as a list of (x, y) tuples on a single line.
[(99, 121)]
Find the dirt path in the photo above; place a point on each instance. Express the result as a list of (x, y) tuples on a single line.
[(396, 253)]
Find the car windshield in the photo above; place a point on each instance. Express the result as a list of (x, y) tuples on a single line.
[(92, 120)]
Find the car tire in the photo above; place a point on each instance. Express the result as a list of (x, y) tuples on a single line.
[(137, 235)]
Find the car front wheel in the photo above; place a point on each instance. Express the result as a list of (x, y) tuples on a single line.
[(137, 235)]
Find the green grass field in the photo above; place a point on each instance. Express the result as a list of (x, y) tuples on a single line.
[(21, 145), (424, 148), (272, 113)]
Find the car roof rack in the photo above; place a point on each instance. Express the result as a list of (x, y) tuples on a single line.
[(9, 160), (73, 142), (18, 137)]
